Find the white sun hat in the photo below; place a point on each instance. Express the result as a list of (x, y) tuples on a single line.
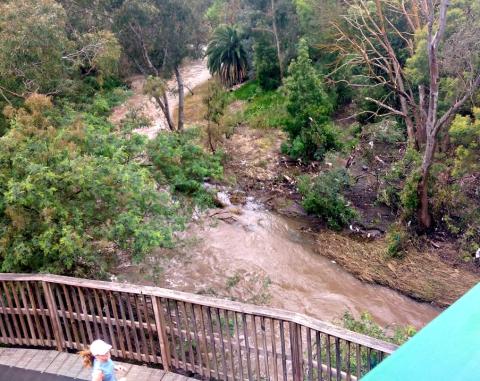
[(99, 347)]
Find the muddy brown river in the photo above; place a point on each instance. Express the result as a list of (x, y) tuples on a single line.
[(261, 257)]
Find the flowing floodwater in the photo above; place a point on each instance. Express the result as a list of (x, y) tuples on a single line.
[(263, 257), (194, 73), (257, 256)]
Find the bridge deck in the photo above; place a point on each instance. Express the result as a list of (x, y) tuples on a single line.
[(48, 363)]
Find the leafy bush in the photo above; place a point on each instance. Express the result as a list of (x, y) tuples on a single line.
[(409, 195), (367, 326), (397, 241), (182, 164), (314, 142), (311, 133), (398, 187), (70, 193), (465, 134), (451, 207), (470, 240), (323, 197)]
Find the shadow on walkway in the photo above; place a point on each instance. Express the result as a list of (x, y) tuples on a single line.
[(16, 374)]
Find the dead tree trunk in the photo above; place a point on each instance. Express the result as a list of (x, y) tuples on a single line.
[(166, 112), (423, 213), (181, 99)]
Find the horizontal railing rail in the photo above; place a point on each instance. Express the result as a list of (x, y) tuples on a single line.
[(199, 335)]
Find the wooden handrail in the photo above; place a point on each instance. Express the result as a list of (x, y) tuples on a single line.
[(212, 337)]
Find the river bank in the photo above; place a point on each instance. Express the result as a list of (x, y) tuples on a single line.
[(264, 250), (250, 254), (424, 275), (259, 169)]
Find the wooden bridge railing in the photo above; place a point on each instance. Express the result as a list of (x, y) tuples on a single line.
[(209, 337)]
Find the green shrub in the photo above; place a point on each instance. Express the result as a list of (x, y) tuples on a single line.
[(311, 133), (398, 186), (323, 197), (367, 326), (70, 194), (470, 240), (409, 195), (314, 142), (181, 163), (267, 69), (397, 241), (465, 134)]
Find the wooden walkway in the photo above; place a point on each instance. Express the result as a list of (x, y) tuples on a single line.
[(187, 333), (70, 365)]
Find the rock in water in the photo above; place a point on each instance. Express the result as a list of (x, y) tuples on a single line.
[(222, 200)]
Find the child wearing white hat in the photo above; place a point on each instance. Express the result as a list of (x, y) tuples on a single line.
[(98, 358)]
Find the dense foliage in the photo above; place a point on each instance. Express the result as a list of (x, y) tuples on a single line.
[(74, 187), (70, 191), (465, 135), (267, 69), (182, 164), (323, 196), (311, 132)]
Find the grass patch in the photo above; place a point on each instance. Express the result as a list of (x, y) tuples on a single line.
[(263, 109), (247, 91)]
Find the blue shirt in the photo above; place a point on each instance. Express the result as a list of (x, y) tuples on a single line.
[(107, 368)]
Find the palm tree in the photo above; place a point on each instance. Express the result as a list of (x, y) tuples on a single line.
[(226, 56)]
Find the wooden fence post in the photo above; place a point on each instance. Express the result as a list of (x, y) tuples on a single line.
[(53, 313), (162, 333), (297, 355)]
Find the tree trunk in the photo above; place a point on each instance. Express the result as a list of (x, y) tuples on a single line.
[(421, 117), (163, 104), (166, 112), (181, 99), (412, 141), (210, 138), (277, 40), (424, 216)]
